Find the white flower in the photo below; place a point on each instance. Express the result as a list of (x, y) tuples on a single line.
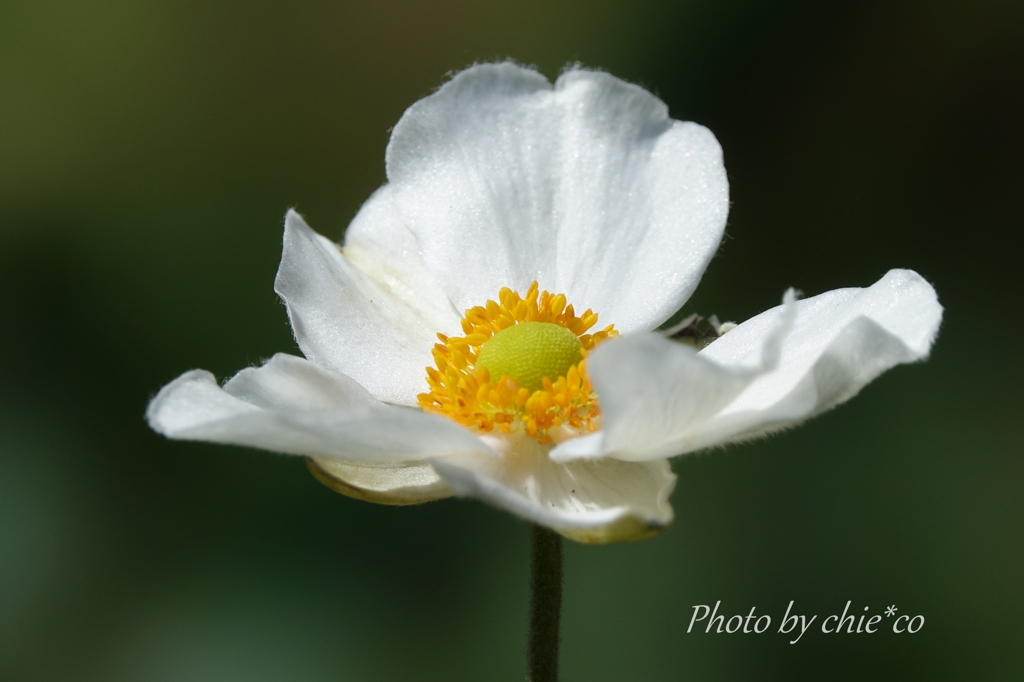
[(588, 188)]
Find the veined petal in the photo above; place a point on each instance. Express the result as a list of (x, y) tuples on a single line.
[(838, 343), (590, 501), (586, 186), (290, 405), (369, 310)]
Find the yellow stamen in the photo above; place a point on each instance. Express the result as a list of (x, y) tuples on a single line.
[(463, 388)]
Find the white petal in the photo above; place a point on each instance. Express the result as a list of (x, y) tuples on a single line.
[(287, 382), (588, 187), (842, 340), (652, 390), (661, 399), (370, 310), (289, 405), (591, 501), (402, 484)]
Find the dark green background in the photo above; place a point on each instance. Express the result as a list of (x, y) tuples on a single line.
[(148, 151)]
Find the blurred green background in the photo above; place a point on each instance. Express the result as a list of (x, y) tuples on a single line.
[(148, 152)]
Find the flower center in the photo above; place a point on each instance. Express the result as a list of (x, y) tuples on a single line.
[(529, 351), (520, 365)]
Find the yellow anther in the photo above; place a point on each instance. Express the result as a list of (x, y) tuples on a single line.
[(520, 365)]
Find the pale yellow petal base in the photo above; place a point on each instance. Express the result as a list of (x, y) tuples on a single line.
[(403, 484), (627, 529)]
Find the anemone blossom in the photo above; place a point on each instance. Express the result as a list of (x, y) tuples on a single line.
[(487, 329)]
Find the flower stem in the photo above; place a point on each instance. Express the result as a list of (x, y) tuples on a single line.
[(545, 604)]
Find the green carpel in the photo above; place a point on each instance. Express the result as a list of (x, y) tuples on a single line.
[(529, 351)]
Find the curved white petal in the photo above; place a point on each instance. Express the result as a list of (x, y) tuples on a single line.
[(287, 382), (842, 340), (661, 399), (289, 405), (652, 390), (395, 484), (590, 501), (653, 393), (586, 186), (369, 310)]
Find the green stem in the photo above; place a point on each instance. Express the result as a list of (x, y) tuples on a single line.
[(545, 604)]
